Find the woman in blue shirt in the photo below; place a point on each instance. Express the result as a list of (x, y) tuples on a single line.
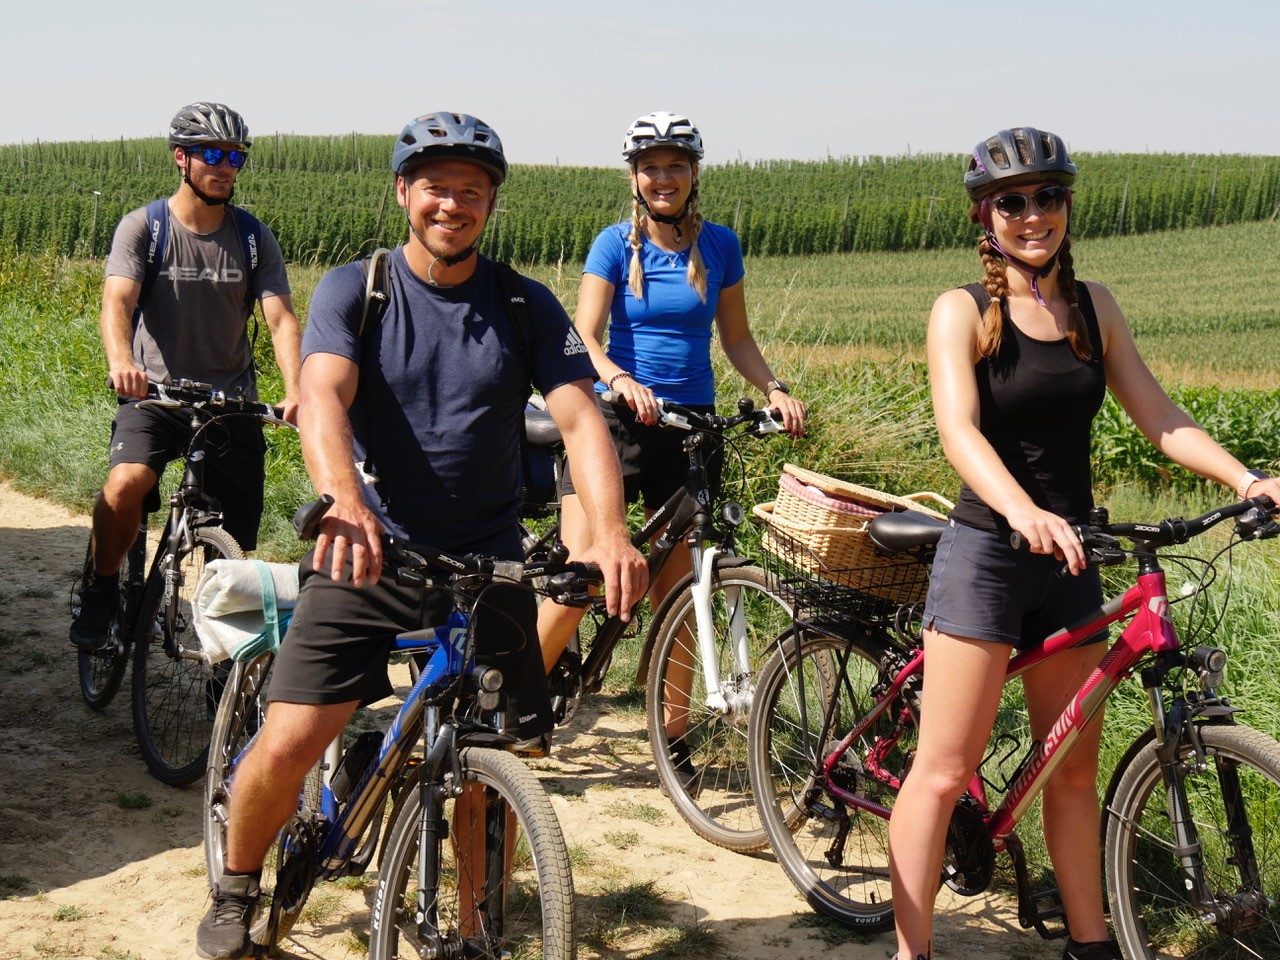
[(662, 283)]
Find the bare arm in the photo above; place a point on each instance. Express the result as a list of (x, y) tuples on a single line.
[(744, 353), (286, 344), (952, 348), (327, 389), (595, 299), (598, 480), (1170, 428), (115, 323)]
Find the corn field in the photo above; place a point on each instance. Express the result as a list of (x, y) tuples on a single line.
[(330, 199)]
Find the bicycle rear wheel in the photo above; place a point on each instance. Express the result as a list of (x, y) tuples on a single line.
[(1233, 800), (175, 693), (101, 671), (242, 711), (836, 854), (713, 790), (510, 894)]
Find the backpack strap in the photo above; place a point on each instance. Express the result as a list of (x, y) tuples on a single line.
[(376, 297), (158, 231)]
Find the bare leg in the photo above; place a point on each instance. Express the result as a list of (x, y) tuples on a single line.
[(117, 513), (270, 777), (556, 623), (679, 678), (1070, 810), (963, 681)]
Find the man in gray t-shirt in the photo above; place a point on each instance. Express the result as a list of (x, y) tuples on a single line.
[(186, 318)]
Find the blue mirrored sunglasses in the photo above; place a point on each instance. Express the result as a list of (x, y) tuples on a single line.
[(213, 156)]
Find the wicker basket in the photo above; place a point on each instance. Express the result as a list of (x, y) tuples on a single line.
[(817, 532)]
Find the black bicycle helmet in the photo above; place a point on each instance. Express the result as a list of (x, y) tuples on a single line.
[(673, 131), (450, 136), (1020, 155), (207, 122)]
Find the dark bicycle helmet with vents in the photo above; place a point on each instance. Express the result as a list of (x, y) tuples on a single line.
[(673, 131), (449, 136), (1017, 156), (206, 122)]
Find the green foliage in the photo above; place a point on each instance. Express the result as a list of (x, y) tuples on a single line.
[(328, 199)]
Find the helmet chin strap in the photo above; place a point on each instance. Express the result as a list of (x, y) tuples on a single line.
[(208, 200), (447, 261), (663, 218), (1037, 273)]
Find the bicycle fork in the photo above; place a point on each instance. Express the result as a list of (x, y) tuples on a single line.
[(734, 700)]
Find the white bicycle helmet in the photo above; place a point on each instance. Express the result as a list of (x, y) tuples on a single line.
[(673, 131)]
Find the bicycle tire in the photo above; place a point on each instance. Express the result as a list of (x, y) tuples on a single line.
[(536, 897), (175, 692), (1150, 909), (102, 671), (837, 857), (717, 801), (241, 713)]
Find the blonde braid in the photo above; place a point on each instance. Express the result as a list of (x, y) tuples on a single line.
[(995, 281), (1077, 329), (635, 275), (697, 272)]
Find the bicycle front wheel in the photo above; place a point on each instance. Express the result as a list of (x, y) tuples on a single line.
[(836, 853), (1233, 805), (102, 671), (700, 738), (505, 888), (242, 710), (175, 693)]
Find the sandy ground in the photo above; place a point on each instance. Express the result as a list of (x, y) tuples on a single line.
[(83, 877)]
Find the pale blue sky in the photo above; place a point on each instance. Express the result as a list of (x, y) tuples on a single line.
[(561, 80)]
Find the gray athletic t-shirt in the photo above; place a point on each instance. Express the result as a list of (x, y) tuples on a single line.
[(193, 323)]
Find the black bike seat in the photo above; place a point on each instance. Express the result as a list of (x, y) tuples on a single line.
[(904, 529), (539, 429)]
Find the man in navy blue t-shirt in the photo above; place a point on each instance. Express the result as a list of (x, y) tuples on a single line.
[(413, 427)]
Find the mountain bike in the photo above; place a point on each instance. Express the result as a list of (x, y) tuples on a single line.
[(494, 886), (174, 691), (1189, 844), (706, 641)]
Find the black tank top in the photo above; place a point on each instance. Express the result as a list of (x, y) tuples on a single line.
[(1037, 401)]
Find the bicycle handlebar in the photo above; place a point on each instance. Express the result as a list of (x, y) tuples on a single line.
[(201, 396), (1254, 521), (671, 414)]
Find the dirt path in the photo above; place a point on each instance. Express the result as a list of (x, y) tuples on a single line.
[(82, 876)]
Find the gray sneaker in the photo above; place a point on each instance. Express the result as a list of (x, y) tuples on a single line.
[(224, 931)]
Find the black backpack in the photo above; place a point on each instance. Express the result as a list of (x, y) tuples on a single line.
[(536, 465)]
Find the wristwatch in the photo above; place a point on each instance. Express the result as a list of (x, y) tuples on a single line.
[(773, 385), (1249, 478)]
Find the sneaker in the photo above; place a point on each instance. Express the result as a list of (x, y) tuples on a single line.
[(1095, 950), (539, 746), (685, 770), (98, 604), (224, 931)]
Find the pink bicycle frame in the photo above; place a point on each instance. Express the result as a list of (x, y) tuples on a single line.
[(1150, 630)]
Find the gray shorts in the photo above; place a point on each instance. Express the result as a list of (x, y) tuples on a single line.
[(983, 589)]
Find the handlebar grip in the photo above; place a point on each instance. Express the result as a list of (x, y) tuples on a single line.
[(1018, 542), (306, 519)]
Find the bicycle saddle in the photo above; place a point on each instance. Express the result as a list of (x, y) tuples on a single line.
[(904, 529), (539, 429)]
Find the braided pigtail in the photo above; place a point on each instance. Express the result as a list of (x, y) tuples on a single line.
[(635, 275), (1077, 329), (995, 281), (697, 272)]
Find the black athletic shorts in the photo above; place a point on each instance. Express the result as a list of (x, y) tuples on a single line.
[(654, 464), (339, 640), (234, 454)]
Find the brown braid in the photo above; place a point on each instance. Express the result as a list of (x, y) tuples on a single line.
[(697, 272), (1077, 329), (996, 282), (635, 275)]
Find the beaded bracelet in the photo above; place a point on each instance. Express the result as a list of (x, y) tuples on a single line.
[(618, 376)]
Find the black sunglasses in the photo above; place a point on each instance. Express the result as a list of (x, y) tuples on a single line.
[(213, 156), (1049, 199)]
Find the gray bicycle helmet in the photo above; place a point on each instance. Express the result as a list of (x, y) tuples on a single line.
[(672, 131), (207, 122), (1020, 155), (450, 136)]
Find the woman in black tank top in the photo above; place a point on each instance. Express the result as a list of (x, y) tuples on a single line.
[(1018, 366)]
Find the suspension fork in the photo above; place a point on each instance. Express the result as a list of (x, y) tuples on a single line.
[(433, 829)]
